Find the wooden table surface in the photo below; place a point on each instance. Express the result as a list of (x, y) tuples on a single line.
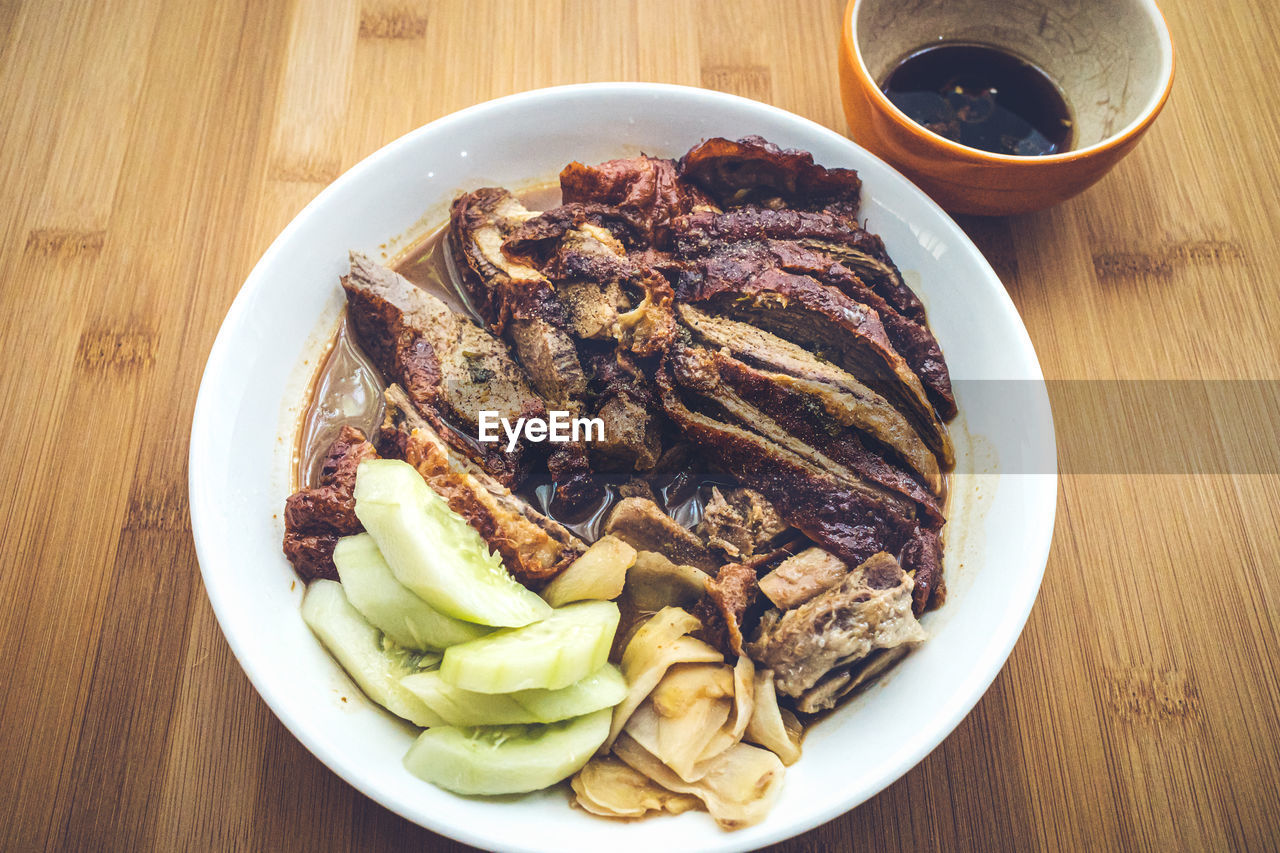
[(151, 151)]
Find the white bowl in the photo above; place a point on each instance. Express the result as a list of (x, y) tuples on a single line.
[(242, 440)]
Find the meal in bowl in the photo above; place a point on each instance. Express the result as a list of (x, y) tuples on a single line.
[(626, 486)]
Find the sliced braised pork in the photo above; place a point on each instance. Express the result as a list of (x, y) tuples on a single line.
[(316, 518), (533, 547)]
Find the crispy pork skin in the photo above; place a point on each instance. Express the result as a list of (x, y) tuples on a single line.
[(316, 518), (870, 609)]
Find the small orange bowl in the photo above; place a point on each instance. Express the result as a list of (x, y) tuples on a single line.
[(1112, 59)]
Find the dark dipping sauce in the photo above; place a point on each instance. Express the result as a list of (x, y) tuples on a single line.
[(982, 97), (347, 391)]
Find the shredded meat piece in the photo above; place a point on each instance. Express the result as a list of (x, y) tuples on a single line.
[(724, 607), (739, 524), (644, 526), (316, 518), (802, 576), (870, 609)]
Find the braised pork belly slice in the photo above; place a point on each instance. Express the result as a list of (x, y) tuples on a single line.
[(450, 368), (840, 395), (705, 231), (823, 320), (534, 548), (910, 339), (317, 517), (851, 519), (753, 170), (869, 609)]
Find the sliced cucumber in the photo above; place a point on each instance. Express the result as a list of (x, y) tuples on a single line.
[(458, 707), (506, 759), (389, 605), (603, 688), (374, 663), (567, 646), (434, 552)]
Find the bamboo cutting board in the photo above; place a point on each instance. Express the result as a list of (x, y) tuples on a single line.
[(149, 152)]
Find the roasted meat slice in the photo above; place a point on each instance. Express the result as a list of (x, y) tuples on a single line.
[(515, 299), (646, 190), (450, 367), (533, 547), (644, 526), (705, 231), (911, 339), (778, 415), (823, 320), (623, 400), (870, 609), (840, 395), (519, 303), (607, 293), (851, 520), (800, 416), (317, 517), (923, 557), (755, 171)]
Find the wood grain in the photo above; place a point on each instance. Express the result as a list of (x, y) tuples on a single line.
[(149, 153)]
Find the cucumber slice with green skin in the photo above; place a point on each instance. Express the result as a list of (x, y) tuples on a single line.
[(506, 759), (374, 663), (601, 689), (389, 605), (435, 553), (567, 646)]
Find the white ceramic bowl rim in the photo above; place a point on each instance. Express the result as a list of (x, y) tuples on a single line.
[(215, 522)]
